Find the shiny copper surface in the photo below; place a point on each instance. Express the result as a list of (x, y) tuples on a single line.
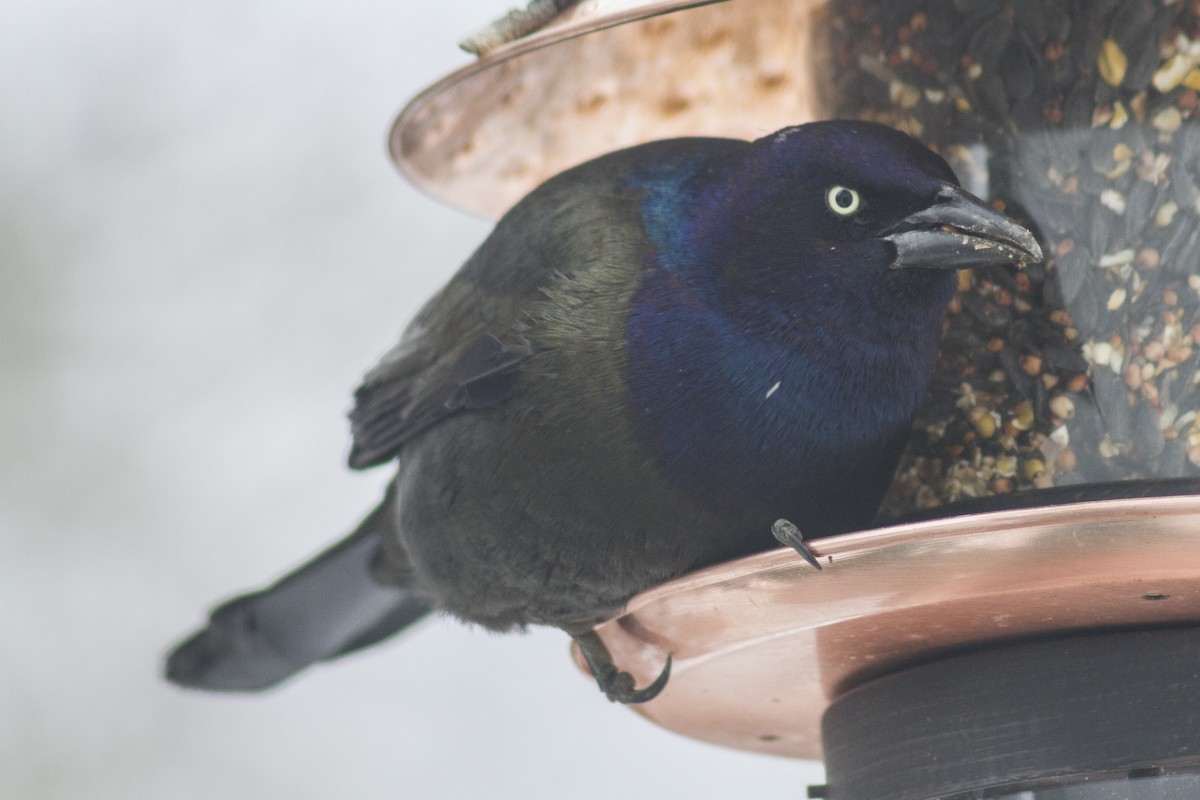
[(762, 645), (485, 135)]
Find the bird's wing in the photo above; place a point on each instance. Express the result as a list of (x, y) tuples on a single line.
[(412, 389), (464, 350)]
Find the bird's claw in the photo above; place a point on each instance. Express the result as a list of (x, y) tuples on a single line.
[(618, 686), (787, 533)]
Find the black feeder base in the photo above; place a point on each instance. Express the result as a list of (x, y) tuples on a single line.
[(1106, 716)]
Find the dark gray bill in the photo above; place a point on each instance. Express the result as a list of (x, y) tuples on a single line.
[(960, 231)]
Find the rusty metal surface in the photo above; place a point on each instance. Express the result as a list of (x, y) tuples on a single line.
[(761, 645), (605, 75)]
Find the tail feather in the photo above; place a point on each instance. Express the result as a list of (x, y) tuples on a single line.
[(328, 607)]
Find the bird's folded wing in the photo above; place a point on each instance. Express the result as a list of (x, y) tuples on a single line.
[(404, 396), (465, 348)]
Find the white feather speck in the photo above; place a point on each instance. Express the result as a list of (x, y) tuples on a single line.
[(772, 390)]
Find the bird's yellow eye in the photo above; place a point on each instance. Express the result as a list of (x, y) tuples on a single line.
[(842, 200)]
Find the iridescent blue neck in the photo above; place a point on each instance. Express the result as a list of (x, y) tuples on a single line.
[(738, 390)]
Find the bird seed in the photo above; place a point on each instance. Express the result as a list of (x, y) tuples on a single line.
[(1080, 117)]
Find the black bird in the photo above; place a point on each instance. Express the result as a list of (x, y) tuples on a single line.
[(654, 356)]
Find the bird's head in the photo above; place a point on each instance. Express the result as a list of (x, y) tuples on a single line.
[(855, 206)]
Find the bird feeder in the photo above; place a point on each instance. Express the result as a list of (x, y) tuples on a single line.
[(1025, 621)]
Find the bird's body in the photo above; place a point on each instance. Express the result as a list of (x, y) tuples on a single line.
[(653, 357)]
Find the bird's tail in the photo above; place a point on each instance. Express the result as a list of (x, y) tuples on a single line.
[(328, 607)]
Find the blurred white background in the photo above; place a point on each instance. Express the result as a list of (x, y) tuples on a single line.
[(202, 247)]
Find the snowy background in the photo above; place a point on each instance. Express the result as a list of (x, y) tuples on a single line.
[(202, 247)]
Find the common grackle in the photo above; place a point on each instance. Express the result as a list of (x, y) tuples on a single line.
[(654, 356)]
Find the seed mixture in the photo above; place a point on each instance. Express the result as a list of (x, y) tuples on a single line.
[(1078, 118)]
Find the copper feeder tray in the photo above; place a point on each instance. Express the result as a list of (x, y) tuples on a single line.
[(762, 645), (485, 135)]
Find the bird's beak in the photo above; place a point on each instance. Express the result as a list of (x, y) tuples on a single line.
[(960, 231)]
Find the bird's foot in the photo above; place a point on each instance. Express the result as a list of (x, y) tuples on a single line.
[(618, 686), (787, 533)]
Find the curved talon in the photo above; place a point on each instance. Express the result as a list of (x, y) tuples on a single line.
[(651, 691), (618, 686)]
